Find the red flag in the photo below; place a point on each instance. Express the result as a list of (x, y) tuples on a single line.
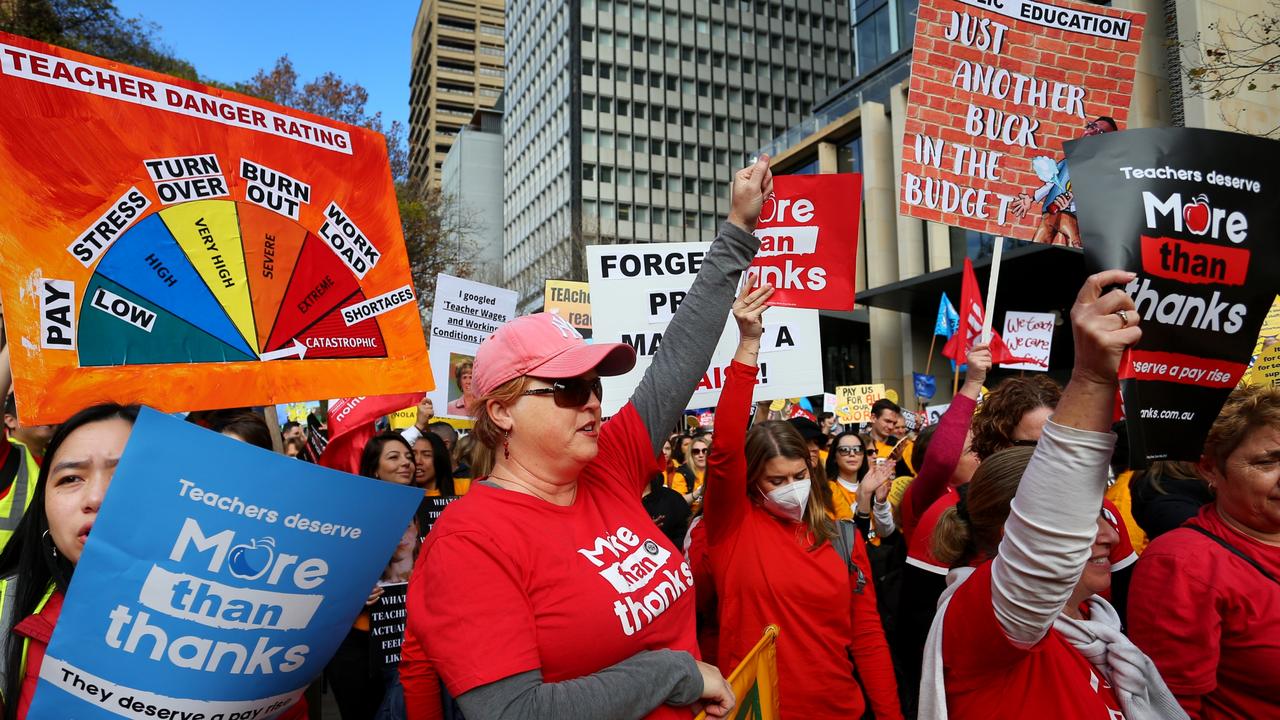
[(351, 426), (970, 332)]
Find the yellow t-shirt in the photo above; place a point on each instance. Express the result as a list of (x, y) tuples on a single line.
[(1120, 495), (883, 449), (680, 485), (897, 491), (843, 499)]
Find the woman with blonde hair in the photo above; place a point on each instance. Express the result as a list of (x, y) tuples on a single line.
[(551, 593), (771, 545)]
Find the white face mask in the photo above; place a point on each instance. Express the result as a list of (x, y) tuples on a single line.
[(789, 501)]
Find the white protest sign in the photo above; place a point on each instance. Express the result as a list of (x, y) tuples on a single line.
[(465, 313), (1028, 335), (635, 290), (934, 412)]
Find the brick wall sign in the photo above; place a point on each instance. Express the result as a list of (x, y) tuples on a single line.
[(996, 87)]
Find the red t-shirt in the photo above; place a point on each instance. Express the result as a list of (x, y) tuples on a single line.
[(920, 550), (509, 583), (765, 574), (1209, 620), (988, 677)]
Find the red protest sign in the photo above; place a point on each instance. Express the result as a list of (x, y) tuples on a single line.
[(808, 232), (996, 88)]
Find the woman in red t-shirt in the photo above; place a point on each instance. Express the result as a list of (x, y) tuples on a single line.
[(1201, 601), (769, 543), (552, 593), (1020, 631)]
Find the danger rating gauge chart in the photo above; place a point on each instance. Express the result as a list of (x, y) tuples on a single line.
[(223, 281), (172, 244)]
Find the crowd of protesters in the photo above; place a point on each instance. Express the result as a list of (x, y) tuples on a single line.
[(985, 566)]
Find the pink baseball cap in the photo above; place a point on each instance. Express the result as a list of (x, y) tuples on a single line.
[(543, 345)]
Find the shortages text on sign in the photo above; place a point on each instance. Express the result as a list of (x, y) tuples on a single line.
[(808, 232), (996, 88), (191, 249), (636, 289)]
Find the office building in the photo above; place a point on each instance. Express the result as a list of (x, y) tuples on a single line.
[(457, 61), (471, 177), (626, 118)]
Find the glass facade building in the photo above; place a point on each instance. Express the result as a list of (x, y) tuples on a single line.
[(625, 119)]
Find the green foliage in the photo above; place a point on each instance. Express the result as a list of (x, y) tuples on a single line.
[(95, 27)]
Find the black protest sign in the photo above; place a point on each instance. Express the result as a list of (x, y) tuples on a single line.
[(429, 511), (1195, 214), (386, 625)]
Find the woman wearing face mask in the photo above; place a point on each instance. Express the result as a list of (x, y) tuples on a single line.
[(769, 541), (37, 564)]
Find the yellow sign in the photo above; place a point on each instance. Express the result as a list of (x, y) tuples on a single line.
[(853, 402), (1270, 326), (571, 301), (1266, 371), (402, 419), (755, 681), (892, 395)]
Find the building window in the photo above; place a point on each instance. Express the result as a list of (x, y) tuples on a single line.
[(849, 156)]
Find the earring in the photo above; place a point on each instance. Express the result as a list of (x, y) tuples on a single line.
[(506, 444), (52, 546)]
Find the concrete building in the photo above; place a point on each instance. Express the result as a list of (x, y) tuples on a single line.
[(471, 177), (625, 118), (903, 263), (457, 61)]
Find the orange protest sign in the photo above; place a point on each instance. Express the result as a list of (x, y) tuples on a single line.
[(173, 244), (996, 88)]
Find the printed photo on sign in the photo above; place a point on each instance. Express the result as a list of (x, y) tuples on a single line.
[(636, 290), (234, 593), (1193, 213), (995, 90), (466, 312), (200, 250)]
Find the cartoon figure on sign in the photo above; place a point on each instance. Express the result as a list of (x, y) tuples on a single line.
[(1058, 225), (250, 561)]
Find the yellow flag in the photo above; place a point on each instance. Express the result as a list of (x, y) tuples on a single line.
[(755, 681)]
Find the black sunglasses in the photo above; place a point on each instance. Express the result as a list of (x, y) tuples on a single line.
[(570, 392), (849, 450), (699, 451)]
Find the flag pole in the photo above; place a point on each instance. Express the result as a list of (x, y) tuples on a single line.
[(928, 363), (989, 316)]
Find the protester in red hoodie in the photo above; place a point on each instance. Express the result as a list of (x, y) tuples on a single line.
[(769, 537)]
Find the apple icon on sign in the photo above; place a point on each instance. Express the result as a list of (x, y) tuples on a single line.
[(1196, 214), (252, 560)]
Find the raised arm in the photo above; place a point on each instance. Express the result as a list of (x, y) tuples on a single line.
[(694, 331), (947, 444), (1053, 518), (726, 486)]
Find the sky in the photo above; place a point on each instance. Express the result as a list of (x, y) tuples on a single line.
[(230, 40)]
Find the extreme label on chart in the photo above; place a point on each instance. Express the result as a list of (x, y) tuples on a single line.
[(385, 302), (132, 313), (347, 240), (57, 315), (93, 242), (273, 189), (185, 178)]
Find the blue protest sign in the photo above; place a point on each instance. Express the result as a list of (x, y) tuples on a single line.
[(218, 580), (925, 385)]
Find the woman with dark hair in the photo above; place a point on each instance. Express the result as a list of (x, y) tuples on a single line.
[(772, 553), (1021, 630), (433, 466), (1167, 494), (859, 485), (358, 686)]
